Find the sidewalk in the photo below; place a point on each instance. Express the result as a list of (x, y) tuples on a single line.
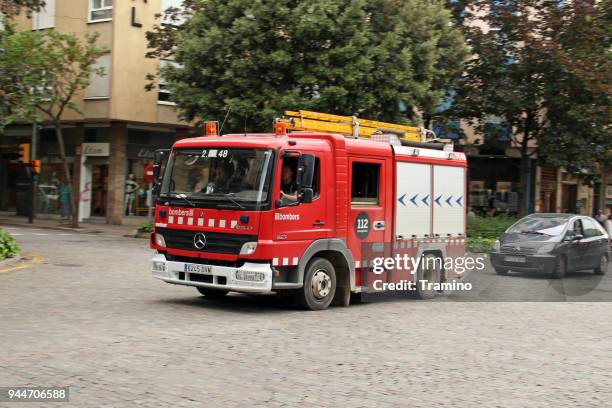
[(85, 227)]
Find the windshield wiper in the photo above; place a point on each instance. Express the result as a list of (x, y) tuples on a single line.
[(229, 195), (533, 232), (184, 197)]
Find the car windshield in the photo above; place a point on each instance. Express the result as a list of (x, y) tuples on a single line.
[(540, 225), (234, 176)]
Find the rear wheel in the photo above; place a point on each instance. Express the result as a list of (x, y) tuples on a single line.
[(430, 272), (319, 285), (602, 268), (212, 293), (560, 269)]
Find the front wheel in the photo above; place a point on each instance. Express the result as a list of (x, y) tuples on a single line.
[(212, 293), (319, 285), (560, 269), (602, 268)]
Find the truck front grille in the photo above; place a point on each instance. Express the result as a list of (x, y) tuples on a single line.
[(216, 242)]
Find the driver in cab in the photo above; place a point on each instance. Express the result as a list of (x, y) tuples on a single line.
[(288, 186)]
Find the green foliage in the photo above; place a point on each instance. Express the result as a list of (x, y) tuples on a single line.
[(544, 68), (147, 227), (488, 227), (42, 71), (8, 246), (381, 59), (479, 245), (483, 231)]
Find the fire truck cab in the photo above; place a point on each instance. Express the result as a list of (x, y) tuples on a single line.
[(302, 212)]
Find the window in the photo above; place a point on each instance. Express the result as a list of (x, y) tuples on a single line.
[(45, 18), (100, 10), (364, 186), (163, 93), (590, 229), (99, 85)]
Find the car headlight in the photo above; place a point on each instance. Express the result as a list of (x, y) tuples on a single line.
[(248, 248), (546, 248), (160, 241), (496, 246)]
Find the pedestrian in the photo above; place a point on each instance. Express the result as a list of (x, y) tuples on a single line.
[(601, 218), (64, 199), (608, 225)]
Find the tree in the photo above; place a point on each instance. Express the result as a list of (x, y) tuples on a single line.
[(381, 59), (47, 70), (14, 7), (530, 69)]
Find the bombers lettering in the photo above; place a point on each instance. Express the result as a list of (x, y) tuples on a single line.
[(180, 212), (286, 217)]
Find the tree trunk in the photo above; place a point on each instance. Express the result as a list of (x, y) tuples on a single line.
[(74, 204), (525, 170)]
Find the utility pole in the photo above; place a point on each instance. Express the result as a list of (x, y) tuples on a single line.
[(34, 150)]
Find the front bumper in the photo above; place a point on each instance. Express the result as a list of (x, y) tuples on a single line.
[(533, 263), (220, 277)]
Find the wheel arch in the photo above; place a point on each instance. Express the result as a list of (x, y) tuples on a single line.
[(336, 252)]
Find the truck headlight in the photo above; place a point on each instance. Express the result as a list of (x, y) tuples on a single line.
[(496, 246), (159, 240), (248, 248), (251, 276)]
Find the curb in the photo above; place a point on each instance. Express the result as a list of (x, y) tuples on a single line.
[(52, 227), (10, 261)]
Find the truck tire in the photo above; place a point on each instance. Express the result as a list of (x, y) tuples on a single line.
[(319, 285), (428, 271), (560, 269), (602, 268), (212, 293)]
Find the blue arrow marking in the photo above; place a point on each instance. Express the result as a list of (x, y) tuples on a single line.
[(458, 201), (448, 200), (401, 199), (414, 198), (437, 200), (424, 200)]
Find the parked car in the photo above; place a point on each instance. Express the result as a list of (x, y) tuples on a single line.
[(552, 243)]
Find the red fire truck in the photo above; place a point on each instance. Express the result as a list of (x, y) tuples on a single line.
[(303, 212)]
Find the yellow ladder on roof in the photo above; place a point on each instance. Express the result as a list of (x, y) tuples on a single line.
[(347, 125)]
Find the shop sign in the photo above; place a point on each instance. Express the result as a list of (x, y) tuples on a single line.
[(139, 151), (95, 149)]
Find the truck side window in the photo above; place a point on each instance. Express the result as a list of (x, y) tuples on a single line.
[(365, 183)]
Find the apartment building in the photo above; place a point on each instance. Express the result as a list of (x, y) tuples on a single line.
[(121, 124)]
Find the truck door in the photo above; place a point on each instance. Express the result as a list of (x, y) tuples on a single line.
[(295, 221), (370, 209)]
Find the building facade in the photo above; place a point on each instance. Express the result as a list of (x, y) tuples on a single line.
[(120, 125)]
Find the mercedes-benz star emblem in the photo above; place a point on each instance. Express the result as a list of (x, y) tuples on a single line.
[(199, 240)]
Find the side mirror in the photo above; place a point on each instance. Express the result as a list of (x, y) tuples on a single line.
[(305, 171), (159, 165), (306, 195), (577, 237)]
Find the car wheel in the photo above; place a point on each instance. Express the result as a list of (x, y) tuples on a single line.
[(212, 293), (501, 271), (430, 271), (560, 269), (319, 285), (602, 268)]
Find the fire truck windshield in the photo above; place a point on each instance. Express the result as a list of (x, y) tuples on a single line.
[(208, 177)]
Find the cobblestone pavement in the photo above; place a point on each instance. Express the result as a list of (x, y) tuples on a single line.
[(90, 316)]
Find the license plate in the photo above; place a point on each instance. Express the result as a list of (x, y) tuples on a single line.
[(518, 259), (197, 268)]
